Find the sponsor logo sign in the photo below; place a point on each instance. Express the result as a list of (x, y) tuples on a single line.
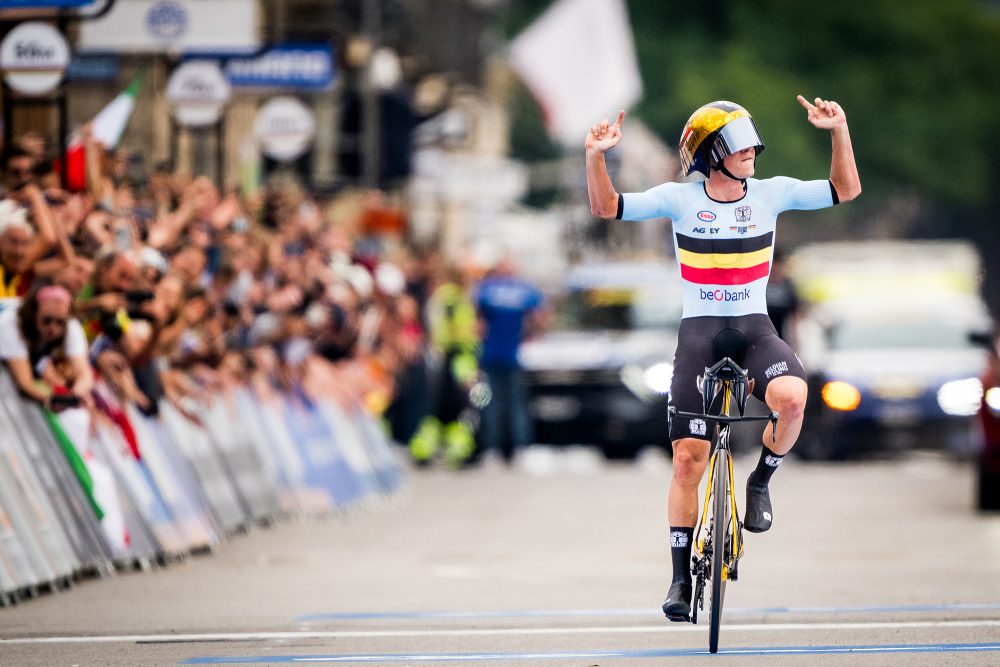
[(284, 128), (724, 295), (706, 216), (167, 20), (208, 27), (34, 57), (296, 66), (198, 92)]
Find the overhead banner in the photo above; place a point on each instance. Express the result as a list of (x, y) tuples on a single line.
[(292, 66), (43, 4), (174, 26)]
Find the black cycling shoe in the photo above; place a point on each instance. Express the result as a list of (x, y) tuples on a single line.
[(677, 606), (758, 516)]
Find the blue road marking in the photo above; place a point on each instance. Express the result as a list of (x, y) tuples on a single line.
[(564, 613), (577, 655)]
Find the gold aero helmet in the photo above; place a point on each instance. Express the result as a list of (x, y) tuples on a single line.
[(714, 131)]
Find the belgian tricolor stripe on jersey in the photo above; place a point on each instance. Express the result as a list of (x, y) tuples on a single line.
[(724, 261)]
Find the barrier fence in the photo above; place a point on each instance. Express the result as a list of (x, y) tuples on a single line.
[(91, 492)]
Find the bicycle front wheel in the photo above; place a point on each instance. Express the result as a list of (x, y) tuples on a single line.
[(720, 529)]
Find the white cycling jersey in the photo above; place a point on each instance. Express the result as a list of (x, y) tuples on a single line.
[(724, 249)]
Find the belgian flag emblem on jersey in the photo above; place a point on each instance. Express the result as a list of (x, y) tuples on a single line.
[(724, 261)]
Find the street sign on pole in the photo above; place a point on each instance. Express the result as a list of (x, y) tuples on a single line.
[(198, 91), (285, 128), (33, 57)]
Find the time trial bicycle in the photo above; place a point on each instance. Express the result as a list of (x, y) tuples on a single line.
[(718, 538)]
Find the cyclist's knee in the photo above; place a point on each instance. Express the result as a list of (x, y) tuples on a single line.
[(787, 395), (690, 458)]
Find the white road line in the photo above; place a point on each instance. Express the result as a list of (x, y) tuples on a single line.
[(491, 632)]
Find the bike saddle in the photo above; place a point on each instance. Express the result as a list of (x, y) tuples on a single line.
[(729, 348), (729, 343)]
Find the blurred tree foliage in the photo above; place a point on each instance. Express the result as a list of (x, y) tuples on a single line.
[(919, 82)]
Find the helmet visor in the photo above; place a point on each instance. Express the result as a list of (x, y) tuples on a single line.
[(735, 136)]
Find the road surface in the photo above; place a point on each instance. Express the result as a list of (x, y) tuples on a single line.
[(562, 560)]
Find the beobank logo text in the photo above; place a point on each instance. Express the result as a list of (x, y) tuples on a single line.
[(724, 295)]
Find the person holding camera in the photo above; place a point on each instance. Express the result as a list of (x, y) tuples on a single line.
[(104, 302)]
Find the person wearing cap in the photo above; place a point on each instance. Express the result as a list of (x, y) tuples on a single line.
[(723, 229)]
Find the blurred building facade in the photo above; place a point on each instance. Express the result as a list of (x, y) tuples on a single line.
[(393, 63), (415, 101)]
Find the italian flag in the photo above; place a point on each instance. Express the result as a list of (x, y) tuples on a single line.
[(107, 127)]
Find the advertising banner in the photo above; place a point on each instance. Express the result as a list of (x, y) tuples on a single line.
[(43, 4), (293, 66), (174, 26)]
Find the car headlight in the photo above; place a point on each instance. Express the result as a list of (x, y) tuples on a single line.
[(993, 400), (961, 397), (841, 396), (658, 377), (648, 382)]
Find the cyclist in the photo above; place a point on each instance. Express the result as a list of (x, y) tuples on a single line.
[(723, 228)]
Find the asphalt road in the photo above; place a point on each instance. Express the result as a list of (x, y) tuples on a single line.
[(563, 560)]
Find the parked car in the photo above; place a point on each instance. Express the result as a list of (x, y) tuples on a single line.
[(988, 459), (886, 376), (601, 374)]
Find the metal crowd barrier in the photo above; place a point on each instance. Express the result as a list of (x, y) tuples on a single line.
[(83, 496)]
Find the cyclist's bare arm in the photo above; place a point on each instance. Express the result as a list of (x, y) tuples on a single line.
[(828, 115), (602, 137)]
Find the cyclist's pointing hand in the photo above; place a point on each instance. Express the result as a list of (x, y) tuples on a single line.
[(604, 136), (824, 114)]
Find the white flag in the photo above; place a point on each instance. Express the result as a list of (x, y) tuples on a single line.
[(578, 59)]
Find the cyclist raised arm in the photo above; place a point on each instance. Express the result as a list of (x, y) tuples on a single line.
[(723, 229), (827, 115), (602, 137)]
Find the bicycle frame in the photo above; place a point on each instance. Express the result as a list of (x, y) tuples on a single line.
[(722, 449)]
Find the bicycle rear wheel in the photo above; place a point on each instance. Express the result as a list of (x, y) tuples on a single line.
[(720, 528)]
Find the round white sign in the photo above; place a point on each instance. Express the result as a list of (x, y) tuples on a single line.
[(284, 128), (33, 57), (198, 91)]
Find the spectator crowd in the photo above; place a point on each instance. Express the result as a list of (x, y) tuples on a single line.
[(147, 287)]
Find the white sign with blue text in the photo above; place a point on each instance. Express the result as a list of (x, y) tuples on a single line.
[(292, 66)]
